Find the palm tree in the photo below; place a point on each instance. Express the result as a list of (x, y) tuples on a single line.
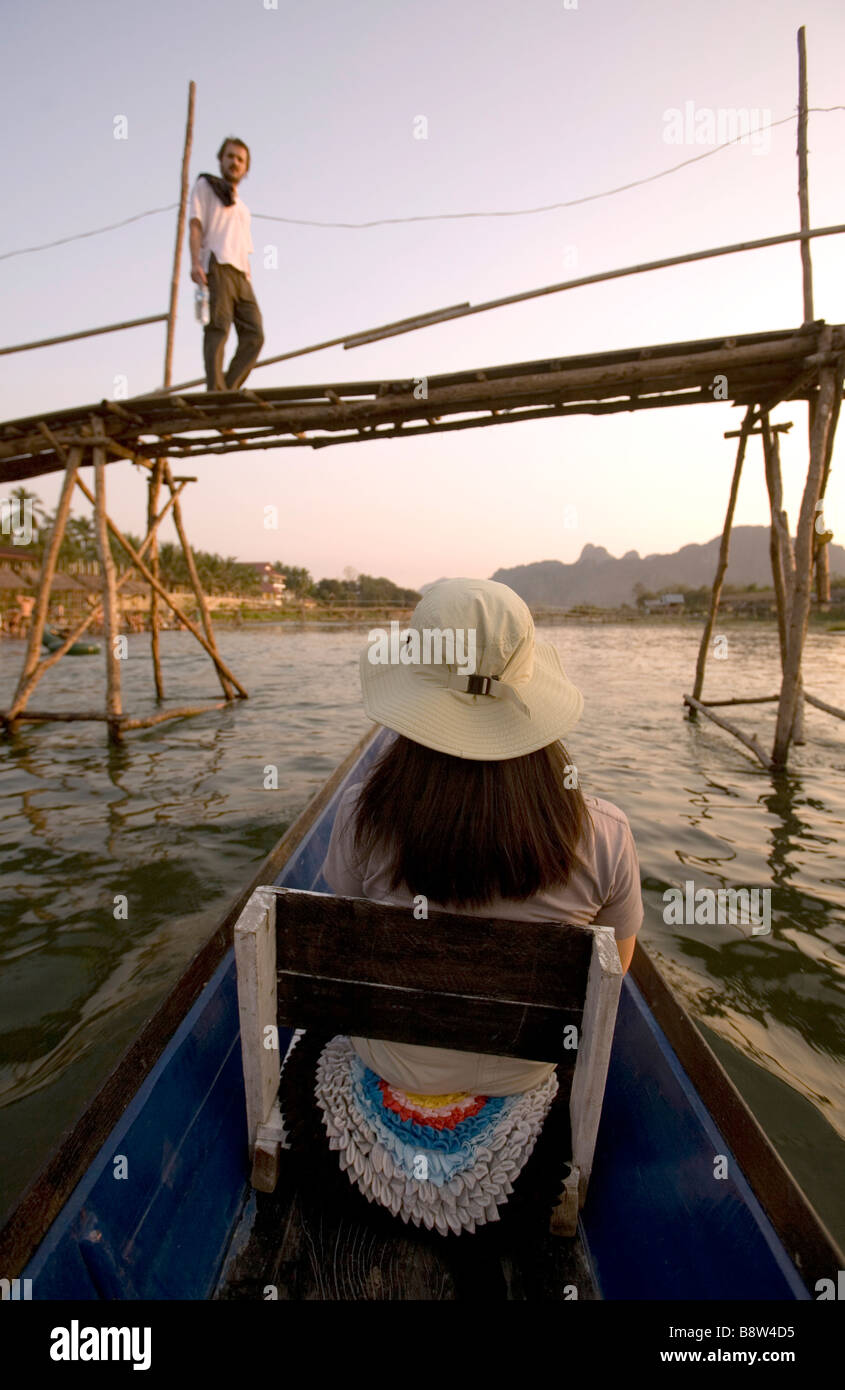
[(80, 538), (169, 558)]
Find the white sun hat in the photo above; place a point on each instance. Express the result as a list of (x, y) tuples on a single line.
[(466, 676)]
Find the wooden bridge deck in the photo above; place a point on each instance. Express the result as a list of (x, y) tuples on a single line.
[(756, 367)]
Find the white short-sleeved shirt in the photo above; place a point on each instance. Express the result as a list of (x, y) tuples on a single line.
[(604, 890), (225, 231)]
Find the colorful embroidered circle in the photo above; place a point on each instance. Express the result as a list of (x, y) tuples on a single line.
[(447, 1162)]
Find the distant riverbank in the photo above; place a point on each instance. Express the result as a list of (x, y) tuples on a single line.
[(819, 622), (224, 620)]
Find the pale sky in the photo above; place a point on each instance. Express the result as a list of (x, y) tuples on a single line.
[(525, 105)]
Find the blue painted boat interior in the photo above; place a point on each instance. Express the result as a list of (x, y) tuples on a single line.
[(657, 1223)]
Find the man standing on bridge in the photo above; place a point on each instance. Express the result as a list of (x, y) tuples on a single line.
[(220, 245)]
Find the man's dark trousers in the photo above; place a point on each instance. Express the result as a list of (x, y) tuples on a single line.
[(230, 299)]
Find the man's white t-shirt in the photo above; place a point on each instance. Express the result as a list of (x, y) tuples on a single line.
[(225, 231), (604, 890)]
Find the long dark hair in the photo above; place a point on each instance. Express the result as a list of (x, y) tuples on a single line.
[(462, 831)]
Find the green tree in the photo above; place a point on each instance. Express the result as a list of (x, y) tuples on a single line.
[(298, 581), (641, 593)]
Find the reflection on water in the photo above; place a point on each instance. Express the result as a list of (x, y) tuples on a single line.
[(176, 818)]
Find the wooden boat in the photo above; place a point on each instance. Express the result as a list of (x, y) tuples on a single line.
[(659, 1223), (52, 641)]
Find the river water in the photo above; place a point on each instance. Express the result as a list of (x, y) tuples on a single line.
[(178, 818)]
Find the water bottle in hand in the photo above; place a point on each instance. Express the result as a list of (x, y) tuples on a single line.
[(202, 304)]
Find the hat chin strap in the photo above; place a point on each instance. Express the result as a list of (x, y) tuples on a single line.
[(477, 685)]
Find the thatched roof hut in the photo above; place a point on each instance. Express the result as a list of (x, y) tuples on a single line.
[(9, 580), (66, 584)]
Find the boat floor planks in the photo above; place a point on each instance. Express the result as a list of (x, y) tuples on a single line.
[(311, 1249)]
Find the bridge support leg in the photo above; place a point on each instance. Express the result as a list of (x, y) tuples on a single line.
[(147, 574), (228, 688), (782, 558), (153, 487), (111, 624), (723, 554), (29, 676), (823, 537), (830, 382)]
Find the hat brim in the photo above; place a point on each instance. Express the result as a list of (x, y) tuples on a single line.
[(479, 726)]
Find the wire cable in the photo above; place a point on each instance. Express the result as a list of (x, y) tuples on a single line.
[(548, 207), (78, 236), (434, 216)]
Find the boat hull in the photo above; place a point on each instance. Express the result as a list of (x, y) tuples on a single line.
[(658, 1224), (52, 641)]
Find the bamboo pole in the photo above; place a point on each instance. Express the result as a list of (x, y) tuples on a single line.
[(65, 716), (61, 441), (744, 700), (829, 384), (408, 325), (84, 333), (780, 546), (803, 193), (441, 316), (110, 614), (775, 429), (186, 713), (228, 690), (724, 549), (115, 447), (731, 729), (821, 553), (821, 541), (172, 605), (783, 560), (91, 716), (807, 288), (820, 704), (45, 579), (180, 236), (153, 488)]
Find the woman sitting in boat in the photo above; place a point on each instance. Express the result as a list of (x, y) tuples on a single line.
[(475, 807)]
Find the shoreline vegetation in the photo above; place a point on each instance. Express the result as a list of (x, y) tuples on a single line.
[(249, 593), (230, 612), (334, 616), (332, 620)]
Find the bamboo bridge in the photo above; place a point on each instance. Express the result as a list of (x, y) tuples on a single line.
[(765, 368)]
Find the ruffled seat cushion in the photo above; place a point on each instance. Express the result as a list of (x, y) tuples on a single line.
[(444, 1162)]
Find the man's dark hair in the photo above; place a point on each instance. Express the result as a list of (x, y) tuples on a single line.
[(233, 140)]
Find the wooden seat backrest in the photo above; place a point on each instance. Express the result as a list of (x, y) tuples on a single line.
[(538, 990), (475, 984)]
